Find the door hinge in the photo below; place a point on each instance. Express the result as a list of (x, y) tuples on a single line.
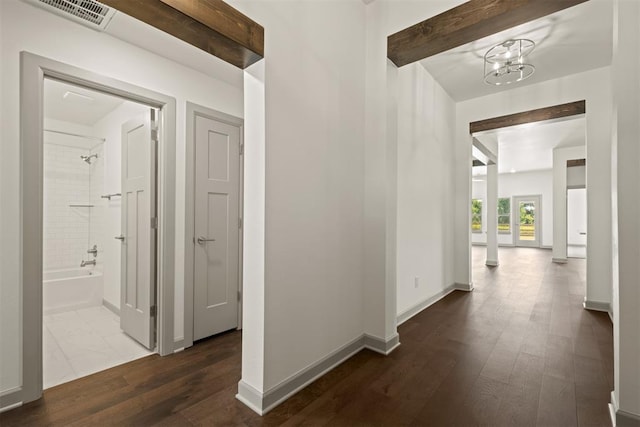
[(240, 223), (241, 149), (154, 223), (153, 311), (154, 135), (239, 296)]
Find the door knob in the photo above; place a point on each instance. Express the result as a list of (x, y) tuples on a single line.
[(203, 240)]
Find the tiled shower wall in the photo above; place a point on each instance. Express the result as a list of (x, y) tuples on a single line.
[(67, 181), (97, 224)]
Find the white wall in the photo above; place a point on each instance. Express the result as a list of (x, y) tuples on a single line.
[(518, 184), (626, 210), (381, 162), (425, 187), (314, 185), (109, 249), (27, 28), (594, 87)]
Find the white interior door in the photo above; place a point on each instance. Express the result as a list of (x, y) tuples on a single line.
[(137, 307), (527, 216), (217, 222), (577, 223)]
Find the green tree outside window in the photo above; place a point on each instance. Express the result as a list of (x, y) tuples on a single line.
[(504, 215), (476, 215)]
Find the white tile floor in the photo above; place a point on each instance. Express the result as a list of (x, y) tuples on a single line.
[(81, 342)]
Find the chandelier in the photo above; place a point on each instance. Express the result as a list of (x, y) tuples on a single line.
[(505, 63)]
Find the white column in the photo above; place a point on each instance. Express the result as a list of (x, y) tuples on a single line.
[(491, 209), (251, 386), (625, 402)]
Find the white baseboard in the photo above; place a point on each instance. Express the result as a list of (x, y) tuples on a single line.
[(10, 399), (412, 311), (546, 247), (597, 306), (620, 418), (384, 347), (261, 403), (111, 307), (559, 260), (466, 287), (178, 344)]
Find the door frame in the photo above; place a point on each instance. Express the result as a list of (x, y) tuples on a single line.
[(193, 111), (538, 225), (33, 70)]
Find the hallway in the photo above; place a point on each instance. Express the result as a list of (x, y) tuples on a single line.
[(518, 350)]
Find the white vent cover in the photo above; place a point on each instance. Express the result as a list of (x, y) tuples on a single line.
[(90, 13)]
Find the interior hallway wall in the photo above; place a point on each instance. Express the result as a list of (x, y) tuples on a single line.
[(314, 146), (426, 124), (26, 28)]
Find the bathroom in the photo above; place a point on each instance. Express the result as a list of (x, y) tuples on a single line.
[(82, 242)]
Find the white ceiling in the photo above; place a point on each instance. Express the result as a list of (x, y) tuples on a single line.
[(530, 147), (576, 39), (80, 106)]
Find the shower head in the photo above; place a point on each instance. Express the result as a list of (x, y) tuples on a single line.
[(87, 159)]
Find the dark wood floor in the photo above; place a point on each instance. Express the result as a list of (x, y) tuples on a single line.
[(517, 351)]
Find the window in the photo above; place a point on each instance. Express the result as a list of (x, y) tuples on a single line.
[(476, 215), (504, 215)]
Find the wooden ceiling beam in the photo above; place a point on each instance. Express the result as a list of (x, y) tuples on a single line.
[(210, 25), (463, 24), (576, 162), (531, 116)]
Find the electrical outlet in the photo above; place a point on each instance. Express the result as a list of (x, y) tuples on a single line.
[(416, 282)]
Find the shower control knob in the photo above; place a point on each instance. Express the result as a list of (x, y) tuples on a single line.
[(121, 238)]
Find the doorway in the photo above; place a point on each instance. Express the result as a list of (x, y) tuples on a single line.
[(213, 236), (527, 211), (34, 71), (86, 328)]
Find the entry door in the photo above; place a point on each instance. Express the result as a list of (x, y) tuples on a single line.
[(527, 214), (217, 222), (137, 307)]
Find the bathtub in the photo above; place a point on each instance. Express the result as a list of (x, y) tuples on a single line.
[(71, 289)]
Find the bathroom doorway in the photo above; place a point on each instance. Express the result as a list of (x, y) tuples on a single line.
[(147, 216), (84, 134)]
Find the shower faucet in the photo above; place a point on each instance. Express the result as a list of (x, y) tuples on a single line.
[(85, 263), (93, 250)]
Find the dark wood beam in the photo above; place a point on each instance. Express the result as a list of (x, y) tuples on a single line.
[(541, 114), (576, 162), (210, 25), (463, 24)]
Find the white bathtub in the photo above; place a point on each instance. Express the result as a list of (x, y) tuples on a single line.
[(71, 289)]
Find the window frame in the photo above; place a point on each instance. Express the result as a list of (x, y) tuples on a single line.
[(508, 215)]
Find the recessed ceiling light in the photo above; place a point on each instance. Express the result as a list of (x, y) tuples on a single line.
[(75, 95), (512, 171)]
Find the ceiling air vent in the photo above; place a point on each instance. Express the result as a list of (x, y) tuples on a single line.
[(90, 13)]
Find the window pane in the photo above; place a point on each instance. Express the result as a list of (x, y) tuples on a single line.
[(476, 215), (504, 215)]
